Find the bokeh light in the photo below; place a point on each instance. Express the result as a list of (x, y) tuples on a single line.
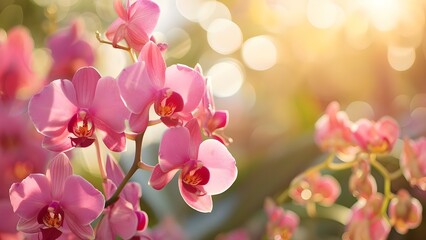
[(401, 58), (224, 36), (259, 53), (226, 77)]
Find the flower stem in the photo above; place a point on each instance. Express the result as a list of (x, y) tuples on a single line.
[(127, 49), (132, 170), (387, 182)]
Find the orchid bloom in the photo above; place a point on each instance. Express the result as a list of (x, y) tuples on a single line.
[(211, 120), (207, 168), (333, 132), (175, 91), (135, 24), (56, 203), (281, 223), (366, 221), (67, 112), (124, 218), (361, 183), (17, 79), (405, 212), (376, 137), (413, 162), (70, 52)]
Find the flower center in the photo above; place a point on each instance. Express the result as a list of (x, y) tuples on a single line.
[(52, 215), (83, 128), (168, 103)]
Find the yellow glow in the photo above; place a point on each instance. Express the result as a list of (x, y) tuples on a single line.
[(259, 53), (306, 194), (226, 78), (210, 11), (400, 58), (224, 36), (322, 13), (384, 14)]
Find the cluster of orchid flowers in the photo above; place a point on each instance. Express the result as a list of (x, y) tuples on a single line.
[(359, 145), (81, 108)]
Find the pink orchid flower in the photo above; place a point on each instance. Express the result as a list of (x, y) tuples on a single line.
[(207, 168), (366, 220), (212, 121), (333, 132), (361, 183), (413, 162), (376, 137), (405, 212), (70, 52), (175, 91), (168, 228), (281, 223), (56, 203), (67, 112), (124, 218), (135, 24), (17, 79)]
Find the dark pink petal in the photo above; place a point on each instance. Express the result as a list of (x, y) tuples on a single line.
[(136, 88), (139, 122), (221, 164), (30, 196), (85, 81), (195, 136), (142, 220), (107, 105), (174, 149), (114, 141), (188, 83), (83, 231), (50, 233), (123, 219), (113, 170), (60, 143), (159, 179), (219, 120), (52, 108), (81, 200), (57, 172), (154, 64), (202, 203), (28, 225)]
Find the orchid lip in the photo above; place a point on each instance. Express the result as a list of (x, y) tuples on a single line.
[(81, 126)]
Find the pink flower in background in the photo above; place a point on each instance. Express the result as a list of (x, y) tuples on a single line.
[(405, 212), (70, 51), (366, 220), (124, 218), (376, 137), (135, 24), (361, 183), (175, 91), (168, 228), (67, 112), (207, 168), (17, 79), (212, 121), (281, 224), (315, 188), (413, 162), (333, 132), (56, 203)]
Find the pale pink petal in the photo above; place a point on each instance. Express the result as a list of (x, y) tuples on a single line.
[(159, 179), (174, 148), (188, 83), (221, 165), (28, 225), (59, 143), (119, 9), (30, 196), (136, 88), (200, 203), (114, 141), (85, 81), (113, 170), (19, 38), (108, 106), (52, 108), (139, 122), (144, 14), (123, 219), (132, 193), (154, 64), (135, 37), (103, 229), (195, 137), (82, 200), (113, 31), (57, 172), (83, 231), (389, 128)]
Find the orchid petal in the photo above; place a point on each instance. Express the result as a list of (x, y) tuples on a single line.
[(144, 14), (113, 170), (132, 193), (29, 196), (57, 172), (7, 213), (28, 225), (154, 63), (159, 179), (60, 143), (114, 141), (221, 164), (113, 33), (139, 122), (85, 81), (83, 231), (53, 107), (123, 219), (195, 137), (119, 9), (82, 200), (103, 229), (174, 148), (200, 203)]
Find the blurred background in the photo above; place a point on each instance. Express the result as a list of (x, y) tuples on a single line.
[(275, 65)]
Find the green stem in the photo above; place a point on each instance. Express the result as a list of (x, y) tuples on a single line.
[(127, 49), (387, 182), (132, 170)]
